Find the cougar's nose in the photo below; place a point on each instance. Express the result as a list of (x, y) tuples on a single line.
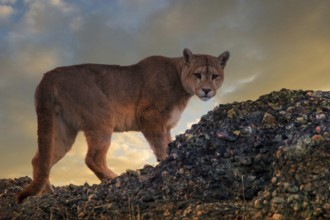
[(206, 91)]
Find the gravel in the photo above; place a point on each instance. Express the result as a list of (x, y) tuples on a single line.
[(263, 159)]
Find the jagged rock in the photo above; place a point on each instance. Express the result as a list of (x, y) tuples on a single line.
[(260, 159)]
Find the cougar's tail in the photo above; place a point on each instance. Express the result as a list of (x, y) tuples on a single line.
[(44, 102)]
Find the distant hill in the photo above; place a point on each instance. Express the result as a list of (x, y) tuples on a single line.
[(263, 159)]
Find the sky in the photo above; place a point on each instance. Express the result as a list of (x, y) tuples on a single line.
[(273, 45)]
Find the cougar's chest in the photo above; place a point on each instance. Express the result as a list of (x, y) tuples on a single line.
[(175, 116)]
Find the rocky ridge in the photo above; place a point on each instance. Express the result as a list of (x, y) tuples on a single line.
[(263, 159)]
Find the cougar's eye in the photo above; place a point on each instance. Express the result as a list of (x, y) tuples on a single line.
[(215, 76), (198, 75)]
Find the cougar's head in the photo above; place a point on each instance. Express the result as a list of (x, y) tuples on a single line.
[(202, 75)]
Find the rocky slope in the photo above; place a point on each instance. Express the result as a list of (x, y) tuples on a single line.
[(263, 159)]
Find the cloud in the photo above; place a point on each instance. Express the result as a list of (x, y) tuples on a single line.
[(127, 151), (7, 1), (5, 12), (289, 50)]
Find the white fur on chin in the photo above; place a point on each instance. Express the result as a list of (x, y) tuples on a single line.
[(204, 98)]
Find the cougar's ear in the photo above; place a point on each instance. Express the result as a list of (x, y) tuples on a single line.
[(188, 55), (223, 58)]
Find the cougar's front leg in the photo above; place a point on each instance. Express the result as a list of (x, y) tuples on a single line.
[(98, 145), (158, 139)]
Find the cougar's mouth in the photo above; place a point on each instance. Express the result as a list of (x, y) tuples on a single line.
[(204, 98)]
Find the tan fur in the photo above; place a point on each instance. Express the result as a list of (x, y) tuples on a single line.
[(101, 99)]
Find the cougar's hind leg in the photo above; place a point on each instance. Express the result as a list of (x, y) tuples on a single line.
[(64, 138), (98, 144), (35, 163)]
